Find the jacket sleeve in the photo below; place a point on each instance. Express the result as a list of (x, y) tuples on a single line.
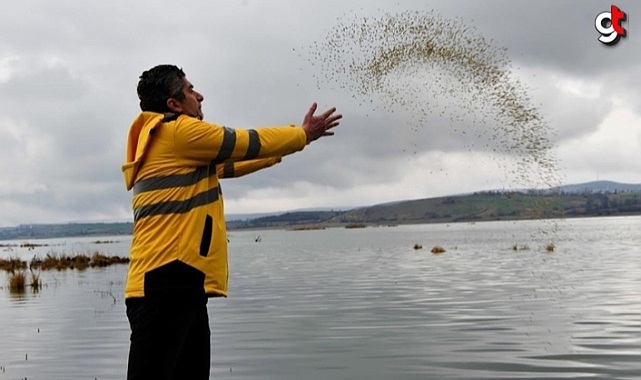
[(201, 143), (241, 168)]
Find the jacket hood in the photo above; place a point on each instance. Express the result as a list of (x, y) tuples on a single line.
[(140, 136)]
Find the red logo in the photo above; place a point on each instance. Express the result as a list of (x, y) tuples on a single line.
[(609, 25)]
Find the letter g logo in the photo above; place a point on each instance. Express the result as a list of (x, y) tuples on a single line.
[(608, 24)]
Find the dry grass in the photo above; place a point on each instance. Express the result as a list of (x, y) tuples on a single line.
[(52, 261), (32, 245), (524, 247), (36, 283), (437, 249), (308, 228), (56, 261), (81, 262), (418, 246), (550, 247), (17, 282), (100, 260), (12, 264)]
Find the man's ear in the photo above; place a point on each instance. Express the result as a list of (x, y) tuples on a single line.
[(174, 105)]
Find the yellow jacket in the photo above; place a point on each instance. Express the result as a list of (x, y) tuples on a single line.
[(179, 245)]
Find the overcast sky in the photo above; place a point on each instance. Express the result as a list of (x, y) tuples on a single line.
[(68, 71)]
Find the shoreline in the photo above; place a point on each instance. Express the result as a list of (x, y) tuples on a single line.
[(320, 226)]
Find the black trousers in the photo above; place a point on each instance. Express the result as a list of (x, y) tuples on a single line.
[(169, 340)]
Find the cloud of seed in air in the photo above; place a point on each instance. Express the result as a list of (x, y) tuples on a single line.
[(405, 59)]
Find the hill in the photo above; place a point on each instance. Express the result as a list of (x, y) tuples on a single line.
[(601, 198), (51, 231), (600, 187), (476, 207)]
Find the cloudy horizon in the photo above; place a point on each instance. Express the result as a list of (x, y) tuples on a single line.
[(67, 98)]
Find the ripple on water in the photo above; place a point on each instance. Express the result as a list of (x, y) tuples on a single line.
[(376, 313)]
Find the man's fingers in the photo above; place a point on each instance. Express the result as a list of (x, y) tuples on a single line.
[(333, 118), (328, 134), (311, 111), (328, 113), (322, 123)]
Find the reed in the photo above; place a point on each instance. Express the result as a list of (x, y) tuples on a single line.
[(81, 262), (308, 228), (17, 282), (100, 260), (32, 245), (55, 261), (437, 249), (12, 264), (524, 247), (36, 283)]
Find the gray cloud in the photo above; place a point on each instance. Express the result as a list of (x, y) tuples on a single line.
[(67, 95)]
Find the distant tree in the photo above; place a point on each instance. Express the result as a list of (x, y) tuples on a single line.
[(591, 206)]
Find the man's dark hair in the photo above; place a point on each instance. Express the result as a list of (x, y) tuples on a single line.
[(158, 84)]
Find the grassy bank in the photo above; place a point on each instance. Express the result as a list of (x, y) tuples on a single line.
[(18, 268)]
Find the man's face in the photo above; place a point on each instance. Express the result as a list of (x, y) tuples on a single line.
[(191, 105)]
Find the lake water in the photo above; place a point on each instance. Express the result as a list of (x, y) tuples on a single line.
[(363, 304)]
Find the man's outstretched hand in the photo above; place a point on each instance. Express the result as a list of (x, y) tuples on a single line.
[(318, 126)]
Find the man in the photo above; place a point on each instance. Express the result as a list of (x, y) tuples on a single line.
[(179, 245)]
